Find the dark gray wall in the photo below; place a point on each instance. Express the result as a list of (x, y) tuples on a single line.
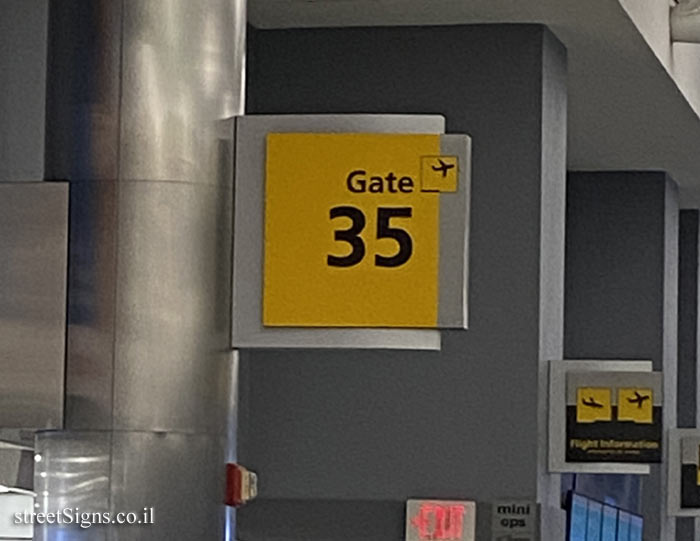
[(615, 266), (688, 317), (622, 292), (342, 439), (688, 337), (23, 28)]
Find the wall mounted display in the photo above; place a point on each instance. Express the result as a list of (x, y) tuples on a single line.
[(624, 521), (605, 416), (608, 531), (594, 521), (577, 518), (684, 472), (591, 520), (350, 231)]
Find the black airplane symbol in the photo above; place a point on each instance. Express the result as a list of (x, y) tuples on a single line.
[(444, 167), (591, 403), (639, 399)]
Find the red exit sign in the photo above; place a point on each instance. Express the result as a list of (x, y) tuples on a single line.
[(438, 520)]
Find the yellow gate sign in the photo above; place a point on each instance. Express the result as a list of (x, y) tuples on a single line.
[(353, 227)]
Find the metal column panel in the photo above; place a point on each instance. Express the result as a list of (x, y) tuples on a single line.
[(92, 255), (181, 71), (171, 286), (127, 472), (72, 472), (33, 244), (165, 471), (139, 91)]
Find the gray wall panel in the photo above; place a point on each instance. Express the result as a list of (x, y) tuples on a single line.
[(22, 99)]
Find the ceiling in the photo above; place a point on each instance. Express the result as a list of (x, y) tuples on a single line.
[(625, 110)]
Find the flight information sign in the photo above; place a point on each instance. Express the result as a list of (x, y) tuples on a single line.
[(614, 417), (366, 230)]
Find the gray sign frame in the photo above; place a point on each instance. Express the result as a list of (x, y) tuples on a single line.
[(557, 415), (673, 499), (453, 299), (248, 247)]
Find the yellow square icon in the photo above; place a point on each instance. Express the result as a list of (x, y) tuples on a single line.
[(439, 173), (593, 404), (635, 404)]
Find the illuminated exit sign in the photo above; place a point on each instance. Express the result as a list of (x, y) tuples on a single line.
[(439, 520)]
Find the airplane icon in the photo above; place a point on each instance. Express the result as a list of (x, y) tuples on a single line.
[(591, 403), (444, 167), (638, 399)]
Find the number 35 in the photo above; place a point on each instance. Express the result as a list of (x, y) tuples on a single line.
[(384, 230)]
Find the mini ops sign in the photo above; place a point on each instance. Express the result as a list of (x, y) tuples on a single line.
[(514, 520), (365, 230), (614, 417)]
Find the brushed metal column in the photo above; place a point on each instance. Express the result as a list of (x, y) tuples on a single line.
[(137, 94)]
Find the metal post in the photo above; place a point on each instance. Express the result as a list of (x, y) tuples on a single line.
[(137, 94)]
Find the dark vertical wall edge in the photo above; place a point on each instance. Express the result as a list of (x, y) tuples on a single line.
[(688, 291), (670, 343), (688, 318), (622, 295), (553, 218)]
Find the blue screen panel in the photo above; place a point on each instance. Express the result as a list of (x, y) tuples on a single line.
[(595, 519), (609, 530), (636, 527), (578, 515), (623, 526)]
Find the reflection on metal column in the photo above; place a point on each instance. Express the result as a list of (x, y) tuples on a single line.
[(138, 91)]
